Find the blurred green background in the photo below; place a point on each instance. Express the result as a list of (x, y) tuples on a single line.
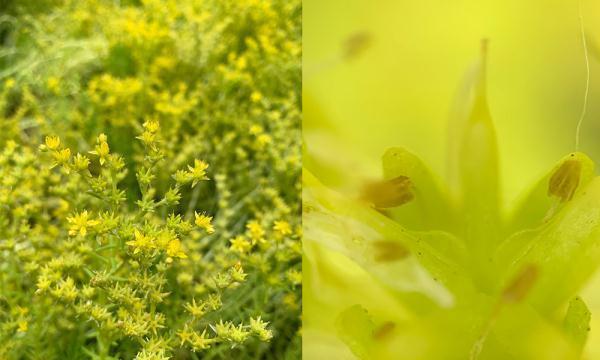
[(400, 89)]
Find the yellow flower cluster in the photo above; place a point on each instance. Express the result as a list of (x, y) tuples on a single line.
[(139, 248)]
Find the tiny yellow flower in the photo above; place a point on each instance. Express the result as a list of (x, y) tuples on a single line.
[(185, 335), (256, 129), (81, 162), (80, 223), (259, 327), (52, 142), (22, 326), (147, 137), (197, 310), (140, 242), (240, 244), (151, 126), (62, 156), (263, 139), (202, 341), (282, 228), (9, 83), (294, 276), (256, 230), (102, 149), (204, 222), (237, 272), (198, 172), (174, 249), (43, 284), (53, 84), (291, 300), (21, 310), (256, 96)]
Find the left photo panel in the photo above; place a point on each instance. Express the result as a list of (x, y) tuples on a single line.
[(150, 163)]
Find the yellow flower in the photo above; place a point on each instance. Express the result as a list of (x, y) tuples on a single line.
[(237, 272), (102, 149), (62, 156), (151, 126), (9, 83), (290, 300), (53, 84), (282, 227), (240, 244), (256, 129), (22, 326), (140, 242), (80, 223), (202, 342), (256, 230), (197, 310), (81, 162), (43, 284), (259, 327), (294, 276), (174, 249), (256, 96), (198, 172), (263, 139), (185, 335), (204, 221), (52, 142)]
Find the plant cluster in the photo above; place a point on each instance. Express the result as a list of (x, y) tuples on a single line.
[(149, 195)]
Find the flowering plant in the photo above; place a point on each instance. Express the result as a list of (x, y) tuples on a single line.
[(150, 180)]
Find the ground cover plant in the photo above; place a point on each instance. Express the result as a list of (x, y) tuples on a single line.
[(149, 180)]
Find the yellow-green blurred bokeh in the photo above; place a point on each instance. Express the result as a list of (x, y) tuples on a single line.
[(399, 91)]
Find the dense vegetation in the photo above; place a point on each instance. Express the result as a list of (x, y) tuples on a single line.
[(149, 179)]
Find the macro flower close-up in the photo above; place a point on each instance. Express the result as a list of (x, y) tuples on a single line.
[(402, 263), (461, 266)]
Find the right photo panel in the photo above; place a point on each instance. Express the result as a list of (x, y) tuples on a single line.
[(451, 202)]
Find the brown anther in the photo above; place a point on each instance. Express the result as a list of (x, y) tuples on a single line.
[(388, 251), (521, 285), (355, 44), (388, 193), (384, 330), (565, 180)]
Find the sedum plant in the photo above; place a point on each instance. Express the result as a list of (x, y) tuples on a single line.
[(150, 186), (416, 269)]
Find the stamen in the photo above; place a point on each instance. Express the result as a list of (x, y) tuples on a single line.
[(521, 285), (388, 251), (388, 193), (565, 180), (356, 44), (384, 330)]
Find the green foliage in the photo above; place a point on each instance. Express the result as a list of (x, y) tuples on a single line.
[(150, 180)]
